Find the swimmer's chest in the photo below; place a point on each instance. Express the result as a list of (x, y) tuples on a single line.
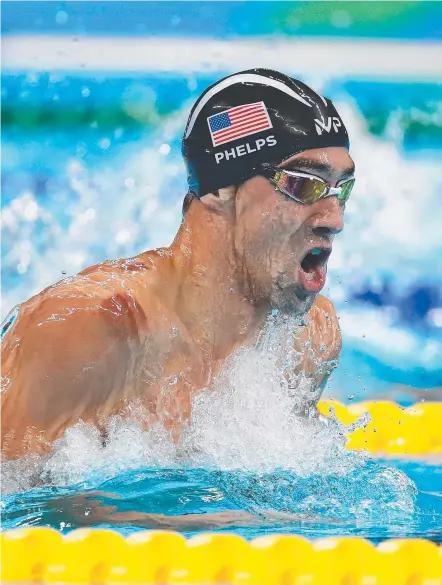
[(172, 366)]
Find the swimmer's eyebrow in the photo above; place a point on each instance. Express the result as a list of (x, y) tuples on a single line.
[(316, 167)]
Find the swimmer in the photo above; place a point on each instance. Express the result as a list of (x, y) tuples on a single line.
[(269, 173)]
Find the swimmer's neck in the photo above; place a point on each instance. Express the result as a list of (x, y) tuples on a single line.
[(213, 297)]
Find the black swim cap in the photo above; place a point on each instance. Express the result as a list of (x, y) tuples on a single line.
[(252, 118)]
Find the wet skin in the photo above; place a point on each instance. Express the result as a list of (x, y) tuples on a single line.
[(139, 337)]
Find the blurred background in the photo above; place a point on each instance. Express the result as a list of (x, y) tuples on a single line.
[(95, 96)]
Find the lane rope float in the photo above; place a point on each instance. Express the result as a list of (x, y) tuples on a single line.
[(393, 429), (43, 555)]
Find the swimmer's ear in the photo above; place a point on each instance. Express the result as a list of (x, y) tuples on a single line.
[(221, 200), (227, 193)]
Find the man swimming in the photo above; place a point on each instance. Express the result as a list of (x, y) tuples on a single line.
[(269, 173)]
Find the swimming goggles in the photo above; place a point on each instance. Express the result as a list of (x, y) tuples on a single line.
[(306, 188)]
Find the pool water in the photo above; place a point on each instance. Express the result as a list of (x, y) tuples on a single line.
[(386, 499)]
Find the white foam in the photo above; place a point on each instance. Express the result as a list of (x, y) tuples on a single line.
[(251, 421)]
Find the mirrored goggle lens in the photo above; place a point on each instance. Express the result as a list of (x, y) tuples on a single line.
[(305, 189), (346, 189)]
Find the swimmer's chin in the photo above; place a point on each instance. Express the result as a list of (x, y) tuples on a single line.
[(293, 302)]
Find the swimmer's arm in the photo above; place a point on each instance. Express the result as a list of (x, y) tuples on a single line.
[(226, 519), (65, 358), (88, 509), (185, 522), (320, 344)]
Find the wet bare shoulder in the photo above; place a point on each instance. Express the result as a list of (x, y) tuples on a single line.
[(325, 327), (70, 354), (324, 316), (124, 287), (321, 341)]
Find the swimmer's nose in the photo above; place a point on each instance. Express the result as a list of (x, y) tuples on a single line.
[(327, 217)]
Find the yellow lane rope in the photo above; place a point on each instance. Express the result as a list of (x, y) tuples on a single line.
[(43, 555), (394, 430)]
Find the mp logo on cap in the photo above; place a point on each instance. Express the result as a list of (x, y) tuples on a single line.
[(327, 126)]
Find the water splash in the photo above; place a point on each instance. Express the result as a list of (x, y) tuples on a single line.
[(251, 420), (248, 431)]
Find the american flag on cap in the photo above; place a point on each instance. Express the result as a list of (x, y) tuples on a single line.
[(238, 122)]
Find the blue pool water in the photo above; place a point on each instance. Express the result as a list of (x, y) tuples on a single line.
[(375, 502)]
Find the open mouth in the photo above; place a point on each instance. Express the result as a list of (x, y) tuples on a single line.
[(312, 271), (314, 259)]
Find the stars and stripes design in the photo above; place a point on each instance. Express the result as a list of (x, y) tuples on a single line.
[(238, 122)]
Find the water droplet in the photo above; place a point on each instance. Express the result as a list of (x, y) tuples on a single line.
[(61, 17), (305, 320), (340, 19), (350, 396), (104, 143), (85, 92), (80, 151), (165, 149), (32, 77), (63, 271)]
